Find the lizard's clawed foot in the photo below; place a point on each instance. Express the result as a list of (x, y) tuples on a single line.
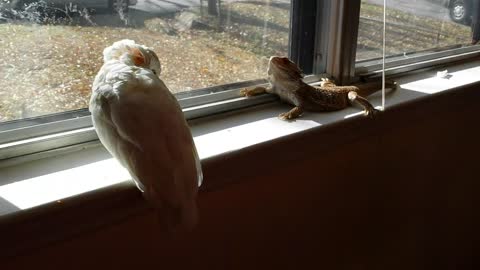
[(246, 92), (290, 115), (286, 116), (326, 82), (371, 113)]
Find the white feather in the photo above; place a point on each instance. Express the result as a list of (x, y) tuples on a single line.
[(141, 124)]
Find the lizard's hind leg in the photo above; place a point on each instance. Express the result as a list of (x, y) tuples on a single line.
[(367, 106)]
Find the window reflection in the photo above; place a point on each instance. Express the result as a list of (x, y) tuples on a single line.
[(413, 27)]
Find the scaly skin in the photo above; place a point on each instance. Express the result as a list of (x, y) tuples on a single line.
[(286, 81)]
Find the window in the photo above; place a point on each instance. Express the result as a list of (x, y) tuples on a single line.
[(209, 50), (415, 31), (51, 52)]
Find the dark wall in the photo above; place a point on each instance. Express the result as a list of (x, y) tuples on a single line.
[(401, 198)]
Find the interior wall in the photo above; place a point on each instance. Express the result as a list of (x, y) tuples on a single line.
[(399, 199)]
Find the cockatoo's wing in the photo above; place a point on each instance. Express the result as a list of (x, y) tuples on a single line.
[(140, 122)]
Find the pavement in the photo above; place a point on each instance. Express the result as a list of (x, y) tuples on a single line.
[(423, 8), (157, 7), (152, 8), (428, 8)]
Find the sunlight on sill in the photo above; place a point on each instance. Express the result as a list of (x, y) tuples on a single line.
[(62, 184), (438, 84), (56, 186), (245, 135)]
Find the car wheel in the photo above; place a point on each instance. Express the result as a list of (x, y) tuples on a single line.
[(119, 6), (459, 12)]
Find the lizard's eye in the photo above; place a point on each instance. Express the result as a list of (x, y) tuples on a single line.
[(154, 72)]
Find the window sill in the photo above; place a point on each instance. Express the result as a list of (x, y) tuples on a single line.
[(64, 191)]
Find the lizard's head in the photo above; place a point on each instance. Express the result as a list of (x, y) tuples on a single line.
[(283, 68)]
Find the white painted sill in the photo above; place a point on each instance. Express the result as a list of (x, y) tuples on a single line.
[(70, 179)]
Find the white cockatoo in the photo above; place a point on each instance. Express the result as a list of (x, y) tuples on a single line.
[(142, 125)]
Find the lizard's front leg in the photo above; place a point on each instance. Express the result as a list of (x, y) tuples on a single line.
[(253, 91), (369, 109), (292, 114)]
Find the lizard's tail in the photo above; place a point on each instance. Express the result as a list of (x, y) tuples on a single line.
[(367, 88)]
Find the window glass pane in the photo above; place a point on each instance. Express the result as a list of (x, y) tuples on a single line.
[(413, 28), (51, 50)]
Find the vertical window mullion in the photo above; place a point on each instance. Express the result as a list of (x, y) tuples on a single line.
[(302, 33), (341, 36), (323, 37), (321, 42)]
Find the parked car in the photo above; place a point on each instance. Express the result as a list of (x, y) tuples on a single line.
[(96, 5), (460, 11)]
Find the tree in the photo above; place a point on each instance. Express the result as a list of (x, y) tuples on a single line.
[(212, 7)]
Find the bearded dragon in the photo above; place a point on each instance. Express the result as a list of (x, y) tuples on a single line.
[(286, 81)]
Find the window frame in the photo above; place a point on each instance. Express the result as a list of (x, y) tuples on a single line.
[(406, 64), (24, 142), (35, 138)]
